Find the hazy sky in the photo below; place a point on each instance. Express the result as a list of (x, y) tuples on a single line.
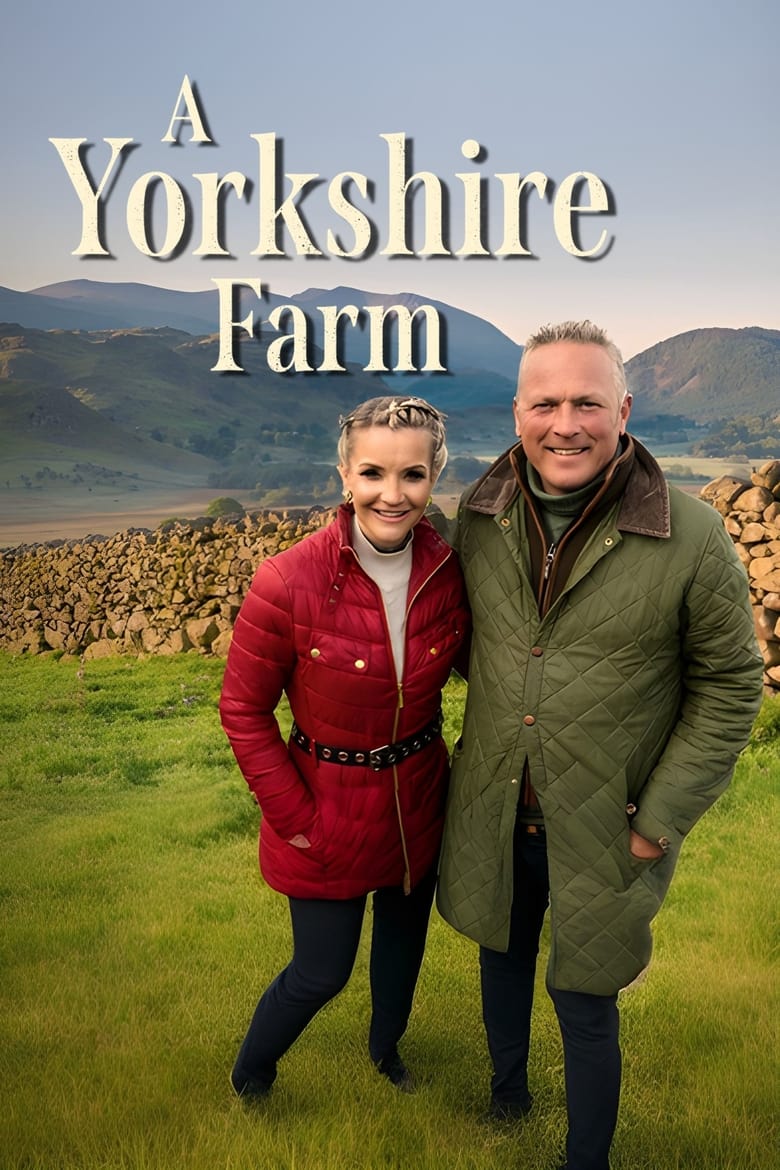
[(673, 104)]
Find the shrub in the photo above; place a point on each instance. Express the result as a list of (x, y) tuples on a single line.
[(224, 506)]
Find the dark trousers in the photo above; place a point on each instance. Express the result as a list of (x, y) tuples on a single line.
[(589, 1023), (325, 942)]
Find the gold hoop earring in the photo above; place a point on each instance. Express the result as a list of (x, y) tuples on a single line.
[(347, 496)]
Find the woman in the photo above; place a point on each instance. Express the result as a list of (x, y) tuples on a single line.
[(359, 624)]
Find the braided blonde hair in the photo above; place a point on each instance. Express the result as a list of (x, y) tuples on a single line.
[(395, 412)]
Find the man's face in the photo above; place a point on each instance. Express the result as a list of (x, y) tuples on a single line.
[(568, 413)]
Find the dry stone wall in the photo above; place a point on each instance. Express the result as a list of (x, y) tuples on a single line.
[(180, 587), (175, 589), (751, 513)]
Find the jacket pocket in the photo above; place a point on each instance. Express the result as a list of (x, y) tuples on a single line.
[(341, 651), (640, 865), (431, 652), (318, 839)]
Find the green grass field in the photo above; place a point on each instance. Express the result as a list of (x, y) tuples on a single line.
[(137, 935)]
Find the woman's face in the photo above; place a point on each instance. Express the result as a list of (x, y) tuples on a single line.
[(390, 477)]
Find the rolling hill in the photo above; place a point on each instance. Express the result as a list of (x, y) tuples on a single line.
[(703, 373), (134, 397), (709, 374)]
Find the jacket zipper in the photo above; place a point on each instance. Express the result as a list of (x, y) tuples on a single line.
[(546, 583), (407, 879)]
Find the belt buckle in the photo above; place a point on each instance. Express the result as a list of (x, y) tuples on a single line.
[(374, 757)]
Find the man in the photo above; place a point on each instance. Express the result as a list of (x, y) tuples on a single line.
[(614, 678)]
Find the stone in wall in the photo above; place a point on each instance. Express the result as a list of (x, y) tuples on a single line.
[(751, 514)]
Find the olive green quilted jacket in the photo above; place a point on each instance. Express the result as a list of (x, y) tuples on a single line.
[(638, 687)]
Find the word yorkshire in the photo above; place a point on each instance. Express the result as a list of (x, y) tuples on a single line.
[(160, 217)]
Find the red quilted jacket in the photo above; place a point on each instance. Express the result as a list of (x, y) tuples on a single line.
[(313, 624)]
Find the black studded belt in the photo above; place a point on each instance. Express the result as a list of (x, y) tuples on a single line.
[(376, 758)]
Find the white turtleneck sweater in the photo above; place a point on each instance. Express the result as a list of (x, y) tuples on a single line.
[(390, 571)]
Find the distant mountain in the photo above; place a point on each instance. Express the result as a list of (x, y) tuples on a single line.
[(471, 342), (43, 312), (704, 374), (708, 374), (118, 306), (141, 402)]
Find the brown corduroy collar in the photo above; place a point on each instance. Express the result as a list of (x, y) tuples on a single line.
[(644, 508)]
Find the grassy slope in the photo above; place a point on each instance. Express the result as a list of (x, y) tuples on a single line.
[(137, 936)]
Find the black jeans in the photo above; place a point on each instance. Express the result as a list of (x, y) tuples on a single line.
[(589, 1023), (325, 942)]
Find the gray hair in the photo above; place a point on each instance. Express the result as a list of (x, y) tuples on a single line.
[(584, 333), (396, 412)]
